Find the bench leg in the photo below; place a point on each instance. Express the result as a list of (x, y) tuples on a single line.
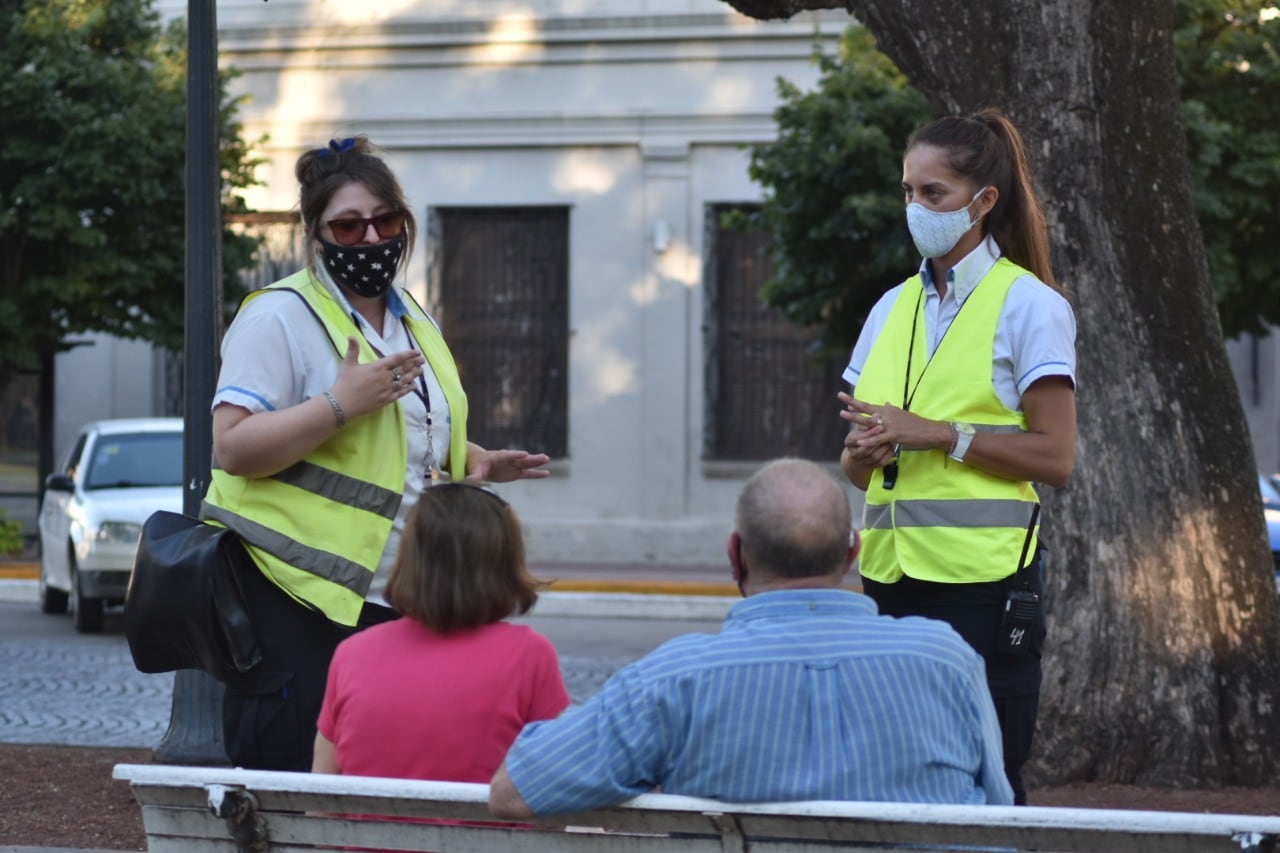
[(731, 840), (239, 809)]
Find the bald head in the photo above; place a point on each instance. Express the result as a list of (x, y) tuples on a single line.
[(793, 520)]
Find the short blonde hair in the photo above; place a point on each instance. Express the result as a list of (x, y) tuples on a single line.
[(461, 562)]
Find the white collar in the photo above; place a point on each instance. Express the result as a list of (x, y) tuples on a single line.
[(965, 276)]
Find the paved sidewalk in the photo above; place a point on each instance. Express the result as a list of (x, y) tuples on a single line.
[(650, 578), (82, 689)]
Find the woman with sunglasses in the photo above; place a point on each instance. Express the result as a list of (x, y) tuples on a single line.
[(442, 692), (337, 404)]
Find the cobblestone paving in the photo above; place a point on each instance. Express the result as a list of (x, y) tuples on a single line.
[(84, 692), (63, 688), (97, 698)]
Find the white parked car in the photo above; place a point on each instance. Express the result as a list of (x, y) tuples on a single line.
[(116, 474)]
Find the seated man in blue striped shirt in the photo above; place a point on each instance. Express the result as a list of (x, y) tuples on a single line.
[(805, 694)]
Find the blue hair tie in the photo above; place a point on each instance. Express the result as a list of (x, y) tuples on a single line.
[(336, 147)]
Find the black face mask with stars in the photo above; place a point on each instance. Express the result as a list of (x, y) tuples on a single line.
[(365, 270)]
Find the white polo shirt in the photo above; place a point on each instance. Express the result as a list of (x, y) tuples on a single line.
[(1035, 333)]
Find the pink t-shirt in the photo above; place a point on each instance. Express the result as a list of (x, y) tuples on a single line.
[(407, 702)]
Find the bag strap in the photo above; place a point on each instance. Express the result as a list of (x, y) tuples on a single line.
[(1026, 544)]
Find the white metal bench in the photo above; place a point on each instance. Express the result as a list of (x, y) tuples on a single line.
[(220, 810)]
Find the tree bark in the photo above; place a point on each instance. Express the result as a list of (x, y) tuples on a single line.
[(1163, 660)]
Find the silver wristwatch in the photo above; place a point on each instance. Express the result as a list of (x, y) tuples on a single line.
[(963, 437)]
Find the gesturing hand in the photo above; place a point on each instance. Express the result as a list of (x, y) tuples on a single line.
[(867, 440), (362, 388), (503, 466)]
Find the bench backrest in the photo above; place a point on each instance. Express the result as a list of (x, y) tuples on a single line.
[(215, 809)]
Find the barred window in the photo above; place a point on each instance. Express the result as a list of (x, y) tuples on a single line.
[(766, 394), (500, 281)]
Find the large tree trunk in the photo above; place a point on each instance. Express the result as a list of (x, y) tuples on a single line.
[(1163, 664)]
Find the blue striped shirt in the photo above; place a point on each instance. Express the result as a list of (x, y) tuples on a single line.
[(803, 695)]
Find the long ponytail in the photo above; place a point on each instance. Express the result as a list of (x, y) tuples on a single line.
[(987, 149)]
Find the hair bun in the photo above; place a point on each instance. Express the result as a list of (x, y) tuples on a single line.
[(337, 148), (319, 163)]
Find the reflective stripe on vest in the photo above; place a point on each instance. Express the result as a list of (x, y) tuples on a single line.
[(337, 486), (322, 564), (964, 513), (944, 521), (319, 527)]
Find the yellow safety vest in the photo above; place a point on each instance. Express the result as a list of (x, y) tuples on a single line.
[(944, 521), (318, 528)]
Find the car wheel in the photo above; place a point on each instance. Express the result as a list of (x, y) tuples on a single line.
[(51, 600), (86, 611)]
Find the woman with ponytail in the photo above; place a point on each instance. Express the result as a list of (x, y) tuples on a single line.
[(962, 398), (337, 404)]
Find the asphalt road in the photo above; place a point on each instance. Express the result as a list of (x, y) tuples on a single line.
[(60, 687)]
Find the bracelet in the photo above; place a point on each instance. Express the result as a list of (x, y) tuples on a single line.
[(955, 439), (337, 410)]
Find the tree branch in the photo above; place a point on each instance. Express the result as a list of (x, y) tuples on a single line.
[(764, 10)]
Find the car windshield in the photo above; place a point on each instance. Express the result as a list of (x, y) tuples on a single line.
[(122, 460)]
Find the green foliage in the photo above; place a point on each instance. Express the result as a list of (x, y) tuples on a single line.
[(1230, 80), (10, 535), (832, 197), (92, 118), (833, 207)]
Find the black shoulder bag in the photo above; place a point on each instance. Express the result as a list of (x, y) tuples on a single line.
[(185, 608)]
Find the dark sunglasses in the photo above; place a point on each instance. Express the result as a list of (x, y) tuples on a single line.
[(348, 232)]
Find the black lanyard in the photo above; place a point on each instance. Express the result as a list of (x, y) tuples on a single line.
[(911, 348), (421, 389), (889, 474)]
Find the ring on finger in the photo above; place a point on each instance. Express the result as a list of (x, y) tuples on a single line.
[(879, 421), (396, 375)]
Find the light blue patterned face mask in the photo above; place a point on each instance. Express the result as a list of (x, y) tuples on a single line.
[(936, 233)]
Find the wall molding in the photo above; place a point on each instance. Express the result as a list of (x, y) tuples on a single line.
[(520, 130), (444, 43)]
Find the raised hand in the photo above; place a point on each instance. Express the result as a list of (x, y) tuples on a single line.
[(362, 388)]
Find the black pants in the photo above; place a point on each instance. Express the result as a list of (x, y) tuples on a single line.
[(974, 611), (269, 714)]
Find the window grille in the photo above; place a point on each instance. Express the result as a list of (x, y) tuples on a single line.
[(500, 282), (766, 394)]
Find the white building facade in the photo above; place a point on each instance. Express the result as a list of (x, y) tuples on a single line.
[(621, 125)]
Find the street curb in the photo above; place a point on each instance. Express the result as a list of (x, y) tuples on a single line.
[(622, 605), (29, 572), (18, 579), (18, 591), (19, 571), (644, 587), (605, 602)]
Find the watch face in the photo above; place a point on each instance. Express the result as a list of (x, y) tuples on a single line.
[(967, 429)]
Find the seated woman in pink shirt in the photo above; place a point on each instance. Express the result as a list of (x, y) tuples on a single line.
[(443, 691)]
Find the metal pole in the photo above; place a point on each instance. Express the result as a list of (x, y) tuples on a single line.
[(195, 721)]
